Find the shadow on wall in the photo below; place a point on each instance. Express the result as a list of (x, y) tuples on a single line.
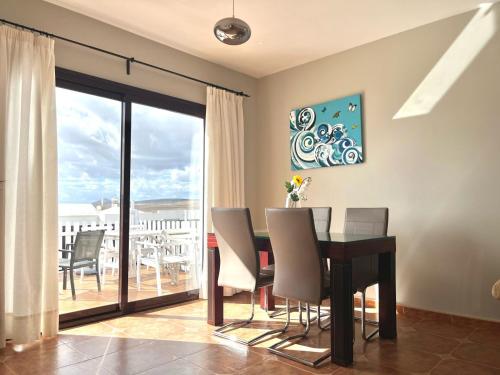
[(468, 45)]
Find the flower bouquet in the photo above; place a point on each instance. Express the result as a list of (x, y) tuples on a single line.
[(296, 191)]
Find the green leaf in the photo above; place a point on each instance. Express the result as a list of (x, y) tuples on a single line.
[(294, 197)]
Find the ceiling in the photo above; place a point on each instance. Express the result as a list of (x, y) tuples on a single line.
[(285, 33)]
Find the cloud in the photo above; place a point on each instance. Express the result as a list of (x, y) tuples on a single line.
[(167, 150)]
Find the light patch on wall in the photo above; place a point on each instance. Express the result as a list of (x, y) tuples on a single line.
[(453, 63)]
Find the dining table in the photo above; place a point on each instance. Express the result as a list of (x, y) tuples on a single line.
[(342, 250)]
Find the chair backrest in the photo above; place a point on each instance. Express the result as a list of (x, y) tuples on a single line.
[(239, 263), (87, 245), (298, 271), (366, 221), (322, 218)]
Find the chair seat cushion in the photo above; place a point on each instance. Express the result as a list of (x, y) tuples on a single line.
[(268, 270), (65, 263), (265, 279)]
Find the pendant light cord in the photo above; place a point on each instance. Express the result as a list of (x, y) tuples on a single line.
[(233, 8)]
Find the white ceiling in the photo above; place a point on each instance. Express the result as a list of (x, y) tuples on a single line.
[(285, 33)]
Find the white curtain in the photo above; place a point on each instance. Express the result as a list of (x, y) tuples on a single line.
[(224, 160), (28, 201)]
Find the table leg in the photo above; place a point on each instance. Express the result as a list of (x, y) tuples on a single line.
[(342, 310), (266, 258), (215, 292), (387, 295)]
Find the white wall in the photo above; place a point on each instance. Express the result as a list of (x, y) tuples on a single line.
[(438, 173)]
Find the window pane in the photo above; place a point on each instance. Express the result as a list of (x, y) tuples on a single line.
[(89, 139), (166, 202)]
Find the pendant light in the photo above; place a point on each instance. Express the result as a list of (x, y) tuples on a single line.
[(232, 31)]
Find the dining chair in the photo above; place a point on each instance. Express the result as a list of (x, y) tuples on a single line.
[(239, 264), (372, 221), (322, 219), (299, 272), (85, 253)]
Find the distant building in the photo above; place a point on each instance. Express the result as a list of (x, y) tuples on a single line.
[(78, 212)]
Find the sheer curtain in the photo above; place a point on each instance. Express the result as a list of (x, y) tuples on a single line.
[(224, 160), (28, 200)]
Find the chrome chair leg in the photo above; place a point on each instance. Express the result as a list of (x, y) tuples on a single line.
[(319, 316), (276, 313), (222, 331), (280, 312), (364, 321), (275, 348)]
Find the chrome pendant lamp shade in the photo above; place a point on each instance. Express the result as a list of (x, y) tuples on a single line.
[(232, 30)]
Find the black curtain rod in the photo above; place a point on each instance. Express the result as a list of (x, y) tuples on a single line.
[(128, 60)]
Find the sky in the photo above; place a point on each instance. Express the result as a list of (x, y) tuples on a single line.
[(167, 150)]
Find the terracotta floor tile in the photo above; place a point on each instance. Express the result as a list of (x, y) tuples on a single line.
[(273, 366), (6, 353), (4, 370), (149, 355), (326, 367), (44, 361), (178, 367), (401, 359), (368, 368), (406, 321), (426, 342), (457, 367), (94, 366), (443, 328), (98, 346), (481, 354), (225, 360), (177, 340), (135, 360), (95, 329), (487, 336)]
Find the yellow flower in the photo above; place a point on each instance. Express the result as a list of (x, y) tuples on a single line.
[(297, 180)]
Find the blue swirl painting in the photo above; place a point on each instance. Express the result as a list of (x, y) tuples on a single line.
[(327, 134)]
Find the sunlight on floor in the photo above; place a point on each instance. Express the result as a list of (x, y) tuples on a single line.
[(453, 63), (303, 348)]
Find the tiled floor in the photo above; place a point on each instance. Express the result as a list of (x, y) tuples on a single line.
[(177, 340), (87, 295)]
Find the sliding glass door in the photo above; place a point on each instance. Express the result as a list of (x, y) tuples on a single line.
[(131, 186), (89, 133), (166, 192)]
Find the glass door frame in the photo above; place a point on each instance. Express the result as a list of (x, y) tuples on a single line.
[(127, 95)]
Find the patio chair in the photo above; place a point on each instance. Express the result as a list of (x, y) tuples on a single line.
[(110, 256), (85, 253), (153, 251)]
